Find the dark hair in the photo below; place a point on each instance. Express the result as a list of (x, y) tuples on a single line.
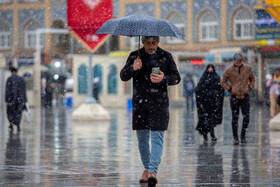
[(238, 57), (144, 38), (13, 69)]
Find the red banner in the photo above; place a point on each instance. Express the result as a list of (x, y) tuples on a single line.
[(85, 17)]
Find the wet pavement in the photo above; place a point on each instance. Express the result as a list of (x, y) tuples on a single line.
[(59, 152)]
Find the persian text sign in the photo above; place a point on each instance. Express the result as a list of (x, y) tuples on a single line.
[(266, 26), (85, 17)]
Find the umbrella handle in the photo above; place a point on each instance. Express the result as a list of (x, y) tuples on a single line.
[(139, 47)]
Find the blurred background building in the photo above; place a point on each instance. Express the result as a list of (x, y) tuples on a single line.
[(214, 30)]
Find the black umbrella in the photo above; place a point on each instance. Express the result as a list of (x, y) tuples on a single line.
[(139, 25)]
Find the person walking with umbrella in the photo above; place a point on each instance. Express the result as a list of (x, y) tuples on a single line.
[(152, 70)]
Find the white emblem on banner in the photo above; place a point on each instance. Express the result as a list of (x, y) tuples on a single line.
[(92, 38), (92, 3)]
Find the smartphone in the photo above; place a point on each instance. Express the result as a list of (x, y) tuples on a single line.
[(155, 70)]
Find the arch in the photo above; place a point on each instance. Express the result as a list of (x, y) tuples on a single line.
[(178, 20), (57, 24), (242, 23), (59, 40), (112, 80), (82, 79), (30, 33), (98, 72), (207, 25), (5, 35)]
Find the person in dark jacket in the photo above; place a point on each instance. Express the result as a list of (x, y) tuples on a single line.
[(239, 79), (188, 90), (150, 101), (209, 101), (15, 97)]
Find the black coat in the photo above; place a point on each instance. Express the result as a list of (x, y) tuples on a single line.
[(209, 101), (150, 101), (15, 97)]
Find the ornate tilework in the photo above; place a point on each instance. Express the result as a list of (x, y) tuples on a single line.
[(232, 5), (7, 15), (59, 13), (146, 8), (199, 5), (58, 3), (179, 6), (25, 15), (167, 7), (116, 10)]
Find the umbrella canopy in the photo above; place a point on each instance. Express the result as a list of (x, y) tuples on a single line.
[(139, 25)]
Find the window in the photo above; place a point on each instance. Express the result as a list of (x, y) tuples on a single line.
[(208, 27), (133, 42), (243, 25), (5, 36), (59, 39), (97, 72), (82, 80), (5, 1), (112, 80), (178, 21), (30, 34)]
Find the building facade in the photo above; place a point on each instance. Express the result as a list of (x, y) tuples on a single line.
[(213, 31)]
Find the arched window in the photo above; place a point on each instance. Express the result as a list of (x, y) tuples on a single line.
[(97, 72), (5, 35), (30, 34), (112, 80), (82, 80), (208, 27), (59, 39), (243, 25), (178, 20)]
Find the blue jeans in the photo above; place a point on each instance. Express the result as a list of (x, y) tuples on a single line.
[(189, 96), (150, 158)]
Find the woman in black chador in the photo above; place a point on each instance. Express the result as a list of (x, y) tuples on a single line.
[(209, 101)]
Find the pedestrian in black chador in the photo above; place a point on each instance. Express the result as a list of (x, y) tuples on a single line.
[(15, 97), (209, 101)]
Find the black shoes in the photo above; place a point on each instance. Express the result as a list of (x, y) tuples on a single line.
[(11, 127), (243, 140), (214, 139), (152, 180), (236, 142), (205, 137)]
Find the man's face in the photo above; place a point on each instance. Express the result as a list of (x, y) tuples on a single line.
[(150, 46), (238, 63), (277, 73)]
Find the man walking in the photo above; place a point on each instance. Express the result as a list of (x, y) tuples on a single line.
[(152, 70), (241, 80), (15, 97)]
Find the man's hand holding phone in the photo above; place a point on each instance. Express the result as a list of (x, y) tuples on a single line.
[(137, 64), (156, 77)]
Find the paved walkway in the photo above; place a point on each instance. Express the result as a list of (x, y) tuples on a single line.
[(57, 152)]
